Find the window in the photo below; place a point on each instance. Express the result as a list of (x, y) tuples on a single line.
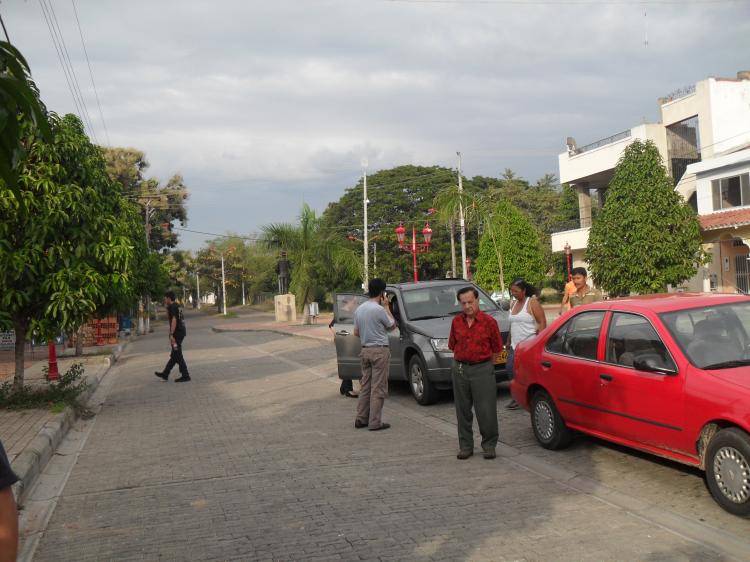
[(345, 307), (731, 192), (631, 337), (579, 336)]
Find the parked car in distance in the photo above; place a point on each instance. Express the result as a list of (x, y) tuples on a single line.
[(666, 374), (419, 345)]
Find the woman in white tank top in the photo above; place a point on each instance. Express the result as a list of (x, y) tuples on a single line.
[(526, 318)]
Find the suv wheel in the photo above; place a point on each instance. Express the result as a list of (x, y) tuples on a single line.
[(422, 389), (728, 470), (549, 428)]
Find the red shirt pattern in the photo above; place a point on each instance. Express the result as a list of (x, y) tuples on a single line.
[(476, 343)]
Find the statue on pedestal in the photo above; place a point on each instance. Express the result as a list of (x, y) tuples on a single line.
[(282, 269)]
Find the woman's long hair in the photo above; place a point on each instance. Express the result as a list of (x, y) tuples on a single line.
[(528, 289)]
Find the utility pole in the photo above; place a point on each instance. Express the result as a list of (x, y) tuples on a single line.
[(198, 288), (243, 291), (364, 201), (462, 225), (223, 288)]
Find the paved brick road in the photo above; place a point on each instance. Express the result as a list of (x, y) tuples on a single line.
[(257, 459)]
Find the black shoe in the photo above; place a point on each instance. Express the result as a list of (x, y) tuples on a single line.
[(182, 379), (351, 394), (381, 426), (358, 424), (490, 454), (161, 375), (463, 455), (512, 405)]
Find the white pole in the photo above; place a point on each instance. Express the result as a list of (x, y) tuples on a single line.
[(223, 288), (243, 292), (462, 225), (367, 256), (375, 257), (198, 288)]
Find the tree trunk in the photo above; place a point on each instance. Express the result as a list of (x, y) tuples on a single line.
[(453, 248), (148, 314), (20, 325), (79, 342), (305, 308)]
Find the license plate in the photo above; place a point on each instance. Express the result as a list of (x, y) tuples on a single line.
[(502, 357)]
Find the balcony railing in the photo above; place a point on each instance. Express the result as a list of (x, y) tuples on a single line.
[(677, 94), (603, 142)]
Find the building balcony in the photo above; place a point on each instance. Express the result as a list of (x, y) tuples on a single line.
[(578, 239), (592, 165)]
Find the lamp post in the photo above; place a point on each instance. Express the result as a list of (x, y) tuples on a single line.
[(414, 248), (567, 258)]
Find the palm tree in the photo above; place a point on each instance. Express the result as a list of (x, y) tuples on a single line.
[(449, 201), (309, 249)]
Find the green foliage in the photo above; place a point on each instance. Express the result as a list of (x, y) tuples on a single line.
[(18, 95), (404, 193), (55, 395), (65, 237), (509, 248), (163, 204), (311, 251), (646, 236)]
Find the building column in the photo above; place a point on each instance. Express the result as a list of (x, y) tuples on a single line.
[(584, 204)]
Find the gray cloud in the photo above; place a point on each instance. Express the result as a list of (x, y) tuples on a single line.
[(263, 104)]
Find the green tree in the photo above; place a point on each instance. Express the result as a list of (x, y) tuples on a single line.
[(161, 205), (404, 193), (310, 250), (65, 248), (18, 97), (646, 236), (509, 248)]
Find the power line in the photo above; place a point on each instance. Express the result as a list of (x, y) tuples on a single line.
[(4, 30), (91, 73), (68, 71), (72, 71)]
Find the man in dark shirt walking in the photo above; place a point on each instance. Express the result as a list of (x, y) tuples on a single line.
[(8, 511), (177, 333), (475, 341)]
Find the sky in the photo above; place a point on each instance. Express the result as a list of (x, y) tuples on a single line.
[(265, 105)]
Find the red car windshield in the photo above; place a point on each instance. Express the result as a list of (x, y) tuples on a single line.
[(712, 337)]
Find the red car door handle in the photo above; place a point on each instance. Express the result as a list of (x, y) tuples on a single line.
[(606, 377), (546, 364)]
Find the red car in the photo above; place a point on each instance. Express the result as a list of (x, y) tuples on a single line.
[(666, 374)]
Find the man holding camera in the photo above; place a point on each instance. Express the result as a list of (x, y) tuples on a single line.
[(372, 322)]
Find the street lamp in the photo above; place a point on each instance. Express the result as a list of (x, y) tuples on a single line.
[(414, 248), (567, 258)]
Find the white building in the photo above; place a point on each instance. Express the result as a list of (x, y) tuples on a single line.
[(704, 138)]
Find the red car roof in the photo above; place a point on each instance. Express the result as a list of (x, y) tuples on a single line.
[(666, 302)]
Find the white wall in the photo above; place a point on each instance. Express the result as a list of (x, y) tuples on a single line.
[(730, 114)]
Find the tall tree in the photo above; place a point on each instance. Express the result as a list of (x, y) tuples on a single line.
[(65, 247), (160, 204), (510, 247), (646, 236)]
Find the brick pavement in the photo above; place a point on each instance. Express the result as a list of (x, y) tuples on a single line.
[(257, 459)]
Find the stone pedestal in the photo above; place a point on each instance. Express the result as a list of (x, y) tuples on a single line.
[(286, 308)]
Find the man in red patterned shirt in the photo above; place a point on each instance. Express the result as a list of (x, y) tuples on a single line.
[(475, 341)]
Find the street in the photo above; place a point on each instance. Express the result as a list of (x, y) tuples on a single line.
[(257, 459)]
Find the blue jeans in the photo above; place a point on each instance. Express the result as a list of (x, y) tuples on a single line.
[(509, 364)]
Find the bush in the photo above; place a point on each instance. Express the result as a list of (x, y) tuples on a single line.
[(54, 395)]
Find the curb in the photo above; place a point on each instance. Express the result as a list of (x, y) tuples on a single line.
[(220, 330), (30, 463)]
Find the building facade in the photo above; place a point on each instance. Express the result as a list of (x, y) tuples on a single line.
[(704, 139)]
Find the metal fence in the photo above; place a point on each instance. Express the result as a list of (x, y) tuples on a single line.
[(603, 142)]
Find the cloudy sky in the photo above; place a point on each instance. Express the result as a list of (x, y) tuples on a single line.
[(262, 105)]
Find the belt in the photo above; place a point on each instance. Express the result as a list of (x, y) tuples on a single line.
[(473, 362), (369, 346)]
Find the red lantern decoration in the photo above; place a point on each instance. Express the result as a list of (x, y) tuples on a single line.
[(427, 233), (400, 234)]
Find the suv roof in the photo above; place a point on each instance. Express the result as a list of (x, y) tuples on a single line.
[(433, 283)]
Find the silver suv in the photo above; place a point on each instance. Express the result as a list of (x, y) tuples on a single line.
[(419, 345)]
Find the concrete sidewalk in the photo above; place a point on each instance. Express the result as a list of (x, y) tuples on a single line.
[(264, 322), (31, 437)]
